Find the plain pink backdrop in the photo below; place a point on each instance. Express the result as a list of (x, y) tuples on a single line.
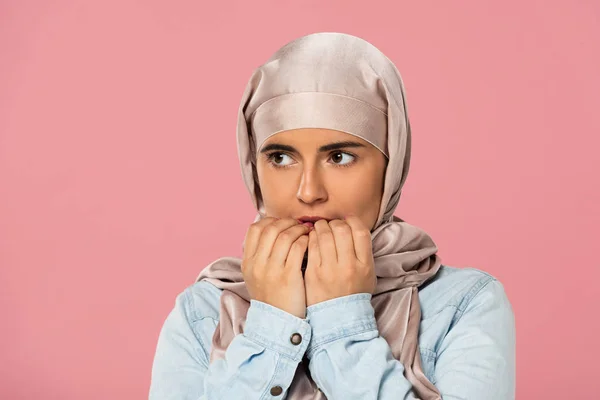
[(118, 169)]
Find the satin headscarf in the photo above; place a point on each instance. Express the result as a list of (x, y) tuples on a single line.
[(337, 81)]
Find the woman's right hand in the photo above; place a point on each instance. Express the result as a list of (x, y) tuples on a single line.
[(271, 265)]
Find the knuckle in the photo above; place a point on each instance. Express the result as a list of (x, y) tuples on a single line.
[(300, 243), (270, 230), (363, 233), (272, 221), (285, 236), (341, 227), (254, 228)]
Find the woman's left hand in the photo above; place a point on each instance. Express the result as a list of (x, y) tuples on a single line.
[(340, 260)]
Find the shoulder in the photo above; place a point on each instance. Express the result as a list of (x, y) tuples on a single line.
[(200, 300), (458, 288)]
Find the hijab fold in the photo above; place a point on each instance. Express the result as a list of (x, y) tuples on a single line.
[(337, 81)]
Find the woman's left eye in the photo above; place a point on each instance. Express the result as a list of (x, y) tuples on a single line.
[(335, 156)]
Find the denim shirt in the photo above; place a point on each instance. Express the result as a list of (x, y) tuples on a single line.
[(466, 342)]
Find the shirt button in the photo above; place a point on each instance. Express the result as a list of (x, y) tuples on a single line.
[(296, 339), (276, 390)]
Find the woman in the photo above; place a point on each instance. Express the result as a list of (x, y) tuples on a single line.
[(335, 297)]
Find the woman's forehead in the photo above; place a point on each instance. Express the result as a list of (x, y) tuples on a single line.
[(313, 136)]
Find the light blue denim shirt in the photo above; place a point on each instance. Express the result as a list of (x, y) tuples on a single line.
[(466, 342)]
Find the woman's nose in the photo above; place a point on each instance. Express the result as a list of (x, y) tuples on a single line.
[(311, 188)]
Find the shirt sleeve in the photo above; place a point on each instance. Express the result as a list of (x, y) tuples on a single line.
[(476, 358), (259, 363)]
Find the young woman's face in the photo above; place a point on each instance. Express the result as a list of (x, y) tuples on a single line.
[(311, 172)]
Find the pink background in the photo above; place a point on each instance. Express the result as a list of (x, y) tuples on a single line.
[(118, 169)]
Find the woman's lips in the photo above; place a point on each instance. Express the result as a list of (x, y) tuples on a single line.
[(310, 221)]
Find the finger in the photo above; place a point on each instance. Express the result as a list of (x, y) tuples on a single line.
[(314, 256), (268, 237), (253, 233), (344, 242), (296, 253), (283, 244), (363, 243), (326, 243)]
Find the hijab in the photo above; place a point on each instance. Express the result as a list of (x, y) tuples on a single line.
[(337, 81)]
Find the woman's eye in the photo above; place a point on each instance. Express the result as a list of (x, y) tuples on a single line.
[(275, 156), (338, 157)]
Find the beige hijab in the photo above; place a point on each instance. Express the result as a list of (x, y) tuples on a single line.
[(342, 82)]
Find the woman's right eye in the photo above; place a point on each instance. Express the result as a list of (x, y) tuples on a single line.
[(274, 159)]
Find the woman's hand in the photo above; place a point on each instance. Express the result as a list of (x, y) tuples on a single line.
[(340, 260), (273, 252)]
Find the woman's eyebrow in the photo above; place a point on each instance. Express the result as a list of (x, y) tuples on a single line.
[(322, 149)]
